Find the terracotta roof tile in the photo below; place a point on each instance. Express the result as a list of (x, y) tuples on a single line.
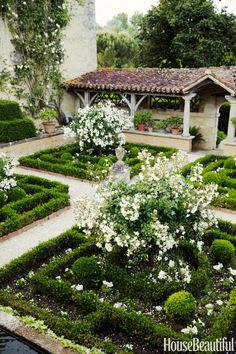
[(145, 80)]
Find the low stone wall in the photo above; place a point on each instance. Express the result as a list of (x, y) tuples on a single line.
[(167, 140), (229, 148), (30, 146)]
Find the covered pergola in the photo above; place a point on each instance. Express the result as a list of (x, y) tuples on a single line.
[(139, 87)]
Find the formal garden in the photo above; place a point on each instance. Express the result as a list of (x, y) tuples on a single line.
[(145, 260)]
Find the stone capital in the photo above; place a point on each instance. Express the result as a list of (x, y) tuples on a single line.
[(189, 96), (231, 99)]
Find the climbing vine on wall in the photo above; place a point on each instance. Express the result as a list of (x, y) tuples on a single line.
[(37, 35)]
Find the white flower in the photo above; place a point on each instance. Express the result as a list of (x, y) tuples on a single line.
[(209, 306), (162, 275), (79, 287), (232, 271), (158, 308), (171, 264), (219, 302), (107, 283), (218, 266)]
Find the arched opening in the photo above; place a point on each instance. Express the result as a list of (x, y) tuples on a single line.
[(223, 122)]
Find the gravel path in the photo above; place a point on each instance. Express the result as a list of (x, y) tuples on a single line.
[(16, 246)]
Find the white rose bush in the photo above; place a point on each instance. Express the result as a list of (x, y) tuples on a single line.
[(98, 127), (7, 179), (152, 215)]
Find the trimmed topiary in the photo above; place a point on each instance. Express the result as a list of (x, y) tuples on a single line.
[(180, 306), (10, 110), (87, 271), (222, 251), (212, 177), (15, 194), (134, 151), (17, 129), (230, 163)]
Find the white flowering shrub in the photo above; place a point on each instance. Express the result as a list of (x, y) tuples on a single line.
[(98, 126), (7, 180), (153, 214)]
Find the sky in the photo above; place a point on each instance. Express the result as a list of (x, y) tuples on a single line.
[(106, 9)]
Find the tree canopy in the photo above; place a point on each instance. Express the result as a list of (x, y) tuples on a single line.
[(187, 33)]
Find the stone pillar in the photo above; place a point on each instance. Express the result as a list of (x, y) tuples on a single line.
[(132, 104), (187, 99), (231, 127)]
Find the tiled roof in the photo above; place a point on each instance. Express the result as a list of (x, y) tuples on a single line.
[(153, 80)]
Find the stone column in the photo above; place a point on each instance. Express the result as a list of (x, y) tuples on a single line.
[(187, 99), (86, 98), (231, 127)]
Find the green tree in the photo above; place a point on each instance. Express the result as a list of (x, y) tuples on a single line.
[(115, 49), (118, 23), (187, 33)]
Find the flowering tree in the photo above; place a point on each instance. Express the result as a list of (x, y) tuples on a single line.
[(7, 180), (98, 126), (152, 215)]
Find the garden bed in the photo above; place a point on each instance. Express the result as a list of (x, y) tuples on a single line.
[(222, 171), (116, 309), (34, 198), (69, 161)]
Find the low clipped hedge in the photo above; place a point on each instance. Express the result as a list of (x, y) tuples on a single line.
[(17, 129), (13, 126), (89, 167), (222, 171), (10, 110), (89, 321), (38, 198)]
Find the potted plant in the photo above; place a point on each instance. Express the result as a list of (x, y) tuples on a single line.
[(161, 125), (198, 137), (150, 125), (48, 117), (141, 118), (175, 122)]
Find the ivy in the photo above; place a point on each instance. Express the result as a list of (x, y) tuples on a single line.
[(37, 35)]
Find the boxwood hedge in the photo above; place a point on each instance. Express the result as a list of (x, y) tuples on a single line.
[(91, 317), (38, 198), (69, 161)]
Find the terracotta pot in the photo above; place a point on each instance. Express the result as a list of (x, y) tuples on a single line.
[(175, 131), (141, 127), (49, 127)]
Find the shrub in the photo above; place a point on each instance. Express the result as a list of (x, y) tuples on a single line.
[(66, 156), (97, 126), (16, 194), (180, 306), (9, 110), (230, 163), (222, 251), (210, 177), (133, 152), (16, 130), (87, 271)]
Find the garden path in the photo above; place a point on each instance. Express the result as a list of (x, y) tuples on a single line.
[(16, 246)]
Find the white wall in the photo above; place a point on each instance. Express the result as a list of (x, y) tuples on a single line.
[(79, 44)]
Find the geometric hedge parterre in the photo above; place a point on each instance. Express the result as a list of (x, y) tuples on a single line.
[(34, 198), (70, 161), (222, 171), (125, 317)]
